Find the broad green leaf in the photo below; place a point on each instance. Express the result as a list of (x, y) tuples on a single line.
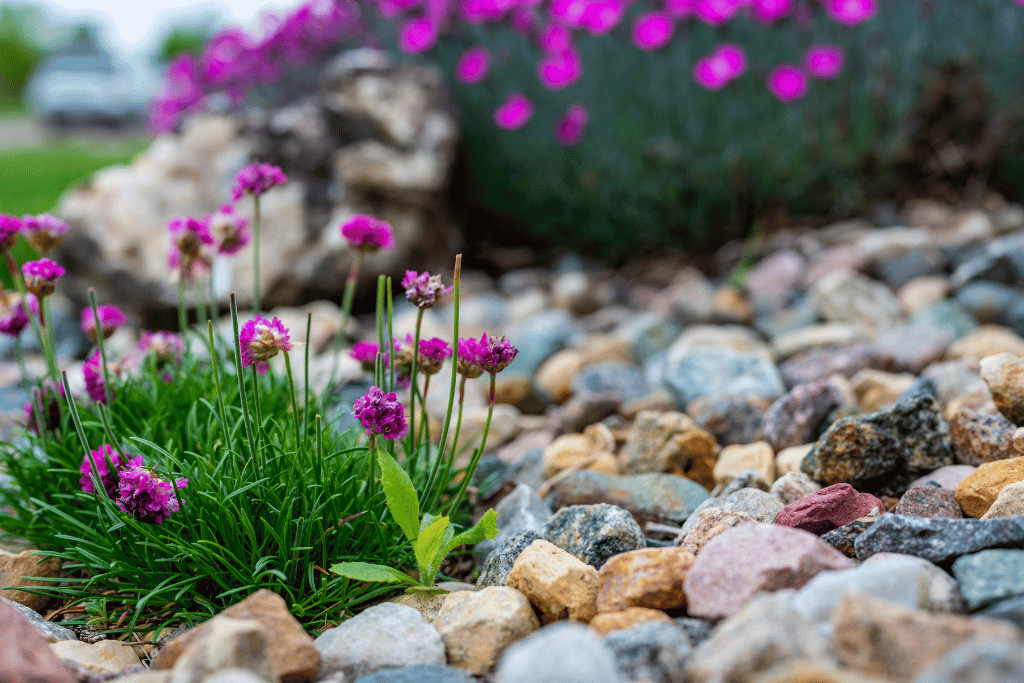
[(487, 527), (428, 545), (363, 571), (401, 494)]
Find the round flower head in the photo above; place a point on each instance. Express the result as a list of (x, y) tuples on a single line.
[(366, 354), (146, 496), (473, 65), (851, 12), (432, 354), (496, 353), (10, 226), (468, 362), (13, 312), (111, 318), (93, 372), (787, 82), (260, 340), (46, 402), (257, 178), (569, 129), (381, 414), (423, 289), (367, 234), (652, 30), (229, 230), (44, 232), (824, 61), (109, 464), (190, 246), (402, 359), (41, 276), (514, 112), (166, 346)]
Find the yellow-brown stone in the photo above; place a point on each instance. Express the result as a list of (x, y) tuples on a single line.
[(648, 577), (557, 584), (669, 442), (606, 622), (736, 458), (978, 490), (26, 564)]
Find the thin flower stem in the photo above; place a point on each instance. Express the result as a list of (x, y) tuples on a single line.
[(457, 280), (201, 316), (453, 451), (382, 351), (214, 365), (99, 344), (47, 335), (391, 334), (111, 438), (424, 418), (38, 411), (241, 379), (412, 383), (305, 383), (476, 455), (19, 353), (182, 311), (73, 409), (257, 409), (371, 474), (214, 307), (346, 309), (256, 254), (295, 403)]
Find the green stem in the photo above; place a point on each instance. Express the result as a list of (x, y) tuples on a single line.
[(295, 403), (201, 317), (424, 418), (346, 309), (453, 454), (412, 383), (305, 384), (370, 487), (476, 455), (99, 344), (319, 469), (182, 311), (19, 353), (391, 335), (379, 372), (257, 409), (241, 379), (214, 365), (256, 255), (47, 336), (214, 306)]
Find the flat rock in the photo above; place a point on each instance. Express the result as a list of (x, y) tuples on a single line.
[(383, 636), (648, 577), (754, 557), (665, 498), (978, 491), (773, 280), (566, 652), (1004, 375), (948, 477), (846, 296), (828, 509), (989, 576), (104, 657), (819, 364), (730, 418), (18, 570), (738, 458), (719, 372), (650, 651), (1008, 503), (928, 501), (498, 563), (796, 417), (26, 657), (557, 584), (419, 673), (606, 622), (938, 539), (813, 336), (668, 442), (978, 661), (979, 438), (47, 629), (987, 340), (227, 644), (792, 486), (477, 626)]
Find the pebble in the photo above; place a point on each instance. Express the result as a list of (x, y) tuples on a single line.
[(228, 644), (754, 557), (566, 652), (622, 382), (791, 459), (557, 584), (989, 576), (948, 477), (648, 577), (928, 501), (729, 418), (21, 570), (594, 533), (735, 459), (477, 626), (978, 491), (47, 629), (877, 390), (921, 292), (606, 622), (720, 372), (912, 348), (33, 660), (978, 661), (843, 538), (1008, 503), (665, 498), (419, 673), (745, 479), (553, 379), (652, 651), (104, 657), (571, 452), (773, 281), (709, 523), (796, 417), (847, 296), (828, 509), (760, 505), (792, 486), (938, 539), (497, 564), (520, 510), (669, 442), (1004, 375), (1011, 610), (987, 340), (808, 337), (819, 364), (979, 438)]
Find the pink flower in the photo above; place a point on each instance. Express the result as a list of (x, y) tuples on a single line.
[(716, 12), (366, 354), (230, 231), (473, 65), (41, 276), (418, 35), (495, 353), (392, 8), (787, 82), (423, 289), (14, 313), (514, 112), (166, 346), (468, 362), (433, 351), (652, 30), (768, 11), (257, 178), (381, 414), (522, 20), (679, 9), (720, 67), (145, 496), (557, 71), (190, 242), (851, 12), (44, 232), (367, 234), (92, 370), (10, 226), (555, 38), (601, 16), (111, 318), (569, 129), (260, 340), (109, 464), (825, 61), (570, 12)]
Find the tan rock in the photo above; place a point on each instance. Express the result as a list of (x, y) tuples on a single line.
[(605, 462), (606, 622), (555, 375), (922, 292), (978, 399), (813, 336), (892, 641), (732, 305), (227, 644), (26, 564), (648, 577), (1018, 439), (25, 656), (987, 340), (669, 442), (1004, 375), (806, 671), (556, 583), (792, 486), (568, 451), (736, 337), (734, 459), (477, 626), (1008, 503), (710, 523), (427, 604), (512, 389), (978, 491), (104, 657), (295, 657), (599, 348), (877, 389), (848, 296), (789, 459)]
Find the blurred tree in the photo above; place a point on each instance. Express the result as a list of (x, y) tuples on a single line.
[(183, 39), (19, 51)]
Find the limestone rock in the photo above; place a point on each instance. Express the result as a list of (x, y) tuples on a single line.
[(477, 626), (648, 577), (734, 459), (25, 656), (227, 644), (978, 491), (606, 622), (26, 564), (556, 583), (1008, 503)]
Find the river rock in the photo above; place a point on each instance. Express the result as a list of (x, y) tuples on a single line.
[(987, 340), (652, 651), (760, 505), (730, 419), (756, 457), (606, 622), (477, 626), (773, 280), (26, 657), (921, 292), (938, 539), (669, 442), (710, 372), (978, 491), (989, 576), (978, 438), (1004, 374), (567, 652), (1008, 503), (709, 523), (912, 348), (594, 533), (557, 584), (928, 501), (418, 673), (792, 486), (795, 418), (227, 644), (497, 564), (979, 660), (843, 538), (647, 577), (21, 570), (948, 477), (846, 296), (103, 657), (818, 364), (828, 509), (49, 630), (666, 498)]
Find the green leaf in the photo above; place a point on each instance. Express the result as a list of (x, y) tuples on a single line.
[(400, 493), (487, 527), (363, 571), (427, 547)]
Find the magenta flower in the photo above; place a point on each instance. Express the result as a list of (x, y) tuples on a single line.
[(824, 61), (48, 400), (679, 9), (190, 246), (145, 496), (166, 346), (495, 353), (257, 178), (522, 20), (14, 313), (468, 362), (716, 12), (570, 12), (652, 30), (229, 230), (851, 12), (555, 38), (473, 65), (368, 234), (433, 351), (366, 354), (41, 276), (720, 67), (111, 318), (109, 464), (10, 226), (44, 232), (559, 70), (787, 82), (93, 372), (769, 11), (569, 129), (260, 340), (418, 35), (601, 16), (423, 289), (514, 112), (381, 414)]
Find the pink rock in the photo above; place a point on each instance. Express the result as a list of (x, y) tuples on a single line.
[(948, 477), (828, 509), (25, 656), (754, 557)]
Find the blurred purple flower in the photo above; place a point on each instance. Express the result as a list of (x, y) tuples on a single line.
[(41, 276), (468, 362), (652, 30), (166, 346), (48, 398), (92, 370), (418, 35), (229, 230), (260, 340), (851, 12), (190, 242), (769, 11), (495, 353), (679, 9), (423, 289), (111, 318), (368, 234), (824, 61), (716, 12), (558, 70), (14, 313), (257, 178), (787, 82), (473, 65), (554, 38), (146, 496), (10, 226), (44, 232), (366, 354), (381, 413), (433, 351), (601, 16), (514, 112), (569, 129), (716, 70)]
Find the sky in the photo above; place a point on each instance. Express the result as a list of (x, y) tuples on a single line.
[(135, 25)]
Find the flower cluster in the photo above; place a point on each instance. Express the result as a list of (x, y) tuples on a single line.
[(10, 226), (41, 276), (167, 347), (146, 496), (423, 289), (191, 243), (260, 340), (433, 351), (256, 179), (229, 230), (366, 354), (108, 463), (111, 318), (13, 312), (381, 414), (368, 234), (43, 232), (487, 354)]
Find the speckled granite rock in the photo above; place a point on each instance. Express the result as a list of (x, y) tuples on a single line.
[(593, 533)]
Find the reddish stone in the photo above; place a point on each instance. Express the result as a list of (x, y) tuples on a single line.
[(25, 656), (828, 509), (929, 501)]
